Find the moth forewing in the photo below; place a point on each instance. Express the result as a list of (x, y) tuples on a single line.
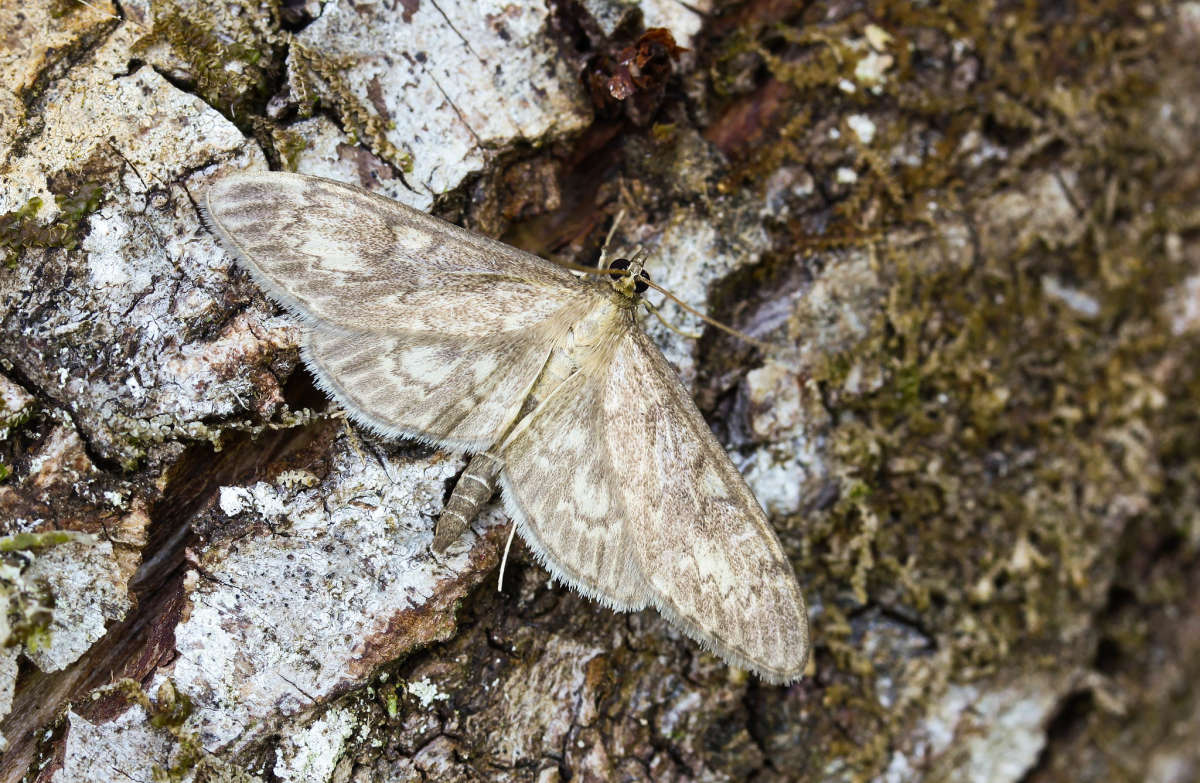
[(612, 477)]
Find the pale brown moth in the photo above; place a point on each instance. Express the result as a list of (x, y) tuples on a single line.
[(424, 330)]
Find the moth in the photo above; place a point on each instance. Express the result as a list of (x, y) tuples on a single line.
[(424, 330)]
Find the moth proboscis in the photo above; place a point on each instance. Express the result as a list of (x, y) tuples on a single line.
[(424, 330)]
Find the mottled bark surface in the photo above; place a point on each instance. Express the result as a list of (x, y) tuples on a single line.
[(971, 232)]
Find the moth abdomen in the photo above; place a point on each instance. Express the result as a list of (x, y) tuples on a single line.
[(475, 487)]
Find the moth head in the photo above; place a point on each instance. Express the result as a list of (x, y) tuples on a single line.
[(635, 281)]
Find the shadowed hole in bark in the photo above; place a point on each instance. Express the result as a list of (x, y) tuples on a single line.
[(1068, 723)]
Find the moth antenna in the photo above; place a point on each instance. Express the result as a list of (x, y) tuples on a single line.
[(512, 531), (710, 321), (591, 270), (608, 239), (668, 324)]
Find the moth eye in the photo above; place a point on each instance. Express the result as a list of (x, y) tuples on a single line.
[(643, 279)]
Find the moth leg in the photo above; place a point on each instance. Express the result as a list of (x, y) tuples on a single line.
[(475, 487)]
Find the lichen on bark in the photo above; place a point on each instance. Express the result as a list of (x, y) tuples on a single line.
[(969, 229)]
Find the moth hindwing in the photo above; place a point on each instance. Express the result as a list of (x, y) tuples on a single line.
[(613, 478)]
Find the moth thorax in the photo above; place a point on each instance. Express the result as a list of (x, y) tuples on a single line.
[(639, 278)]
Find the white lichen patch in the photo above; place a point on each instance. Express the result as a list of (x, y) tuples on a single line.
[(1183, 306), (449, 81), (425, 691), (781, 476), (89, 593), (863, 127), (296, 478), (124, 748), (8, 682), (147, 276), (995, 736), (12, 118), (684, 20), (609, 14), (154, 126), (262, 499), (691, 254), (16, 405), (782, 471), (774, 395), (311, 754), (873, 68), (329, 152), (278, 620), (1016, 721), (36, 34)]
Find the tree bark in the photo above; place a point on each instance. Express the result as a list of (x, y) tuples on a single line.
[(968, 232)]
